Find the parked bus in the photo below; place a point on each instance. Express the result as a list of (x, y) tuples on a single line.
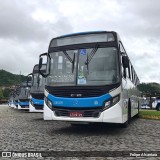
[(90, 78), (23, 98), (37, 90)]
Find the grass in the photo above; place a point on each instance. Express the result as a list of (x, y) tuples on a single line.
[(149, 114)]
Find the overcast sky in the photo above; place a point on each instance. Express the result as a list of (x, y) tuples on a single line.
[(26, 28)]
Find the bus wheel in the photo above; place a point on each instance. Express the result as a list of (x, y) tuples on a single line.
[(129, 110)]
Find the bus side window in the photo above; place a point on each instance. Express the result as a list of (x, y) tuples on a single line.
[(134, 77), (124, 73), (132, 74), (129, 71), (122, 50)]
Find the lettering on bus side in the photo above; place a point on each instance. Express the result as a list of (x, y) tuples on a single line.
[(58, 102)]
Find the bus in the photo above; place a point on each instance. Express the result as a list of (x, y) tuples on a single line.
[(36, 101), (23, 96), (90, 79)]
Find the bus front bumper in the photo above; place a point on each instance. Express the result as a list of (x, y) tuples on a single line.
[(111, 115), (33, 109)]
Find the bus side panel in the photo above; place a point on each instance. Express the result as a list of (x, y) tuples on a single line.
[(130, 92), (113, 114)]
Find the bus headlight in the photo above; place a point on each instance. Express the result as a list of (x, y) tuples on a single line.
[(32, 103), (111, 102), (48, 103), (107, 105), (115, 100)]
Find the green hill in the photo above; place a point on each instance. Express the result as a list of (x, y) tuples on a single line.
[(8, 79)]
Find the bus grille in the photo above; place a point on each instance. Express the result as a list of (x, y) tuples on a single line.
[(37, 95), (38, 107), (24, 100), (77, 92), (86, 113)]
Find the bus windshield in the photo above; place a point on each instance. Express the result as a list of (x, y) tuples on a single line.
[(24, 92), (38, 83), (102, 69)]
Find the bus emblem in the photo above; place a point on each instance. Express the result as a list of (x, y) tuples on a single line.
[(76, 95)]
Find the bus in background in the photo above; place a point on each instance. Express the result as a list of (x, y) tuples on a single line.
[(15, 96), (36, 101), (90, 78), (23, 96)]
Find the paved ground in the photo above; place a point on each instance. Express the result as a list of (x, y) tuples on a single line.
[(23, 131)]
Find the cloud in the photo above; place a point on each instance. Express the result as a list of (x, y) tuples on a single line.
[(23, 35), (27, 27)]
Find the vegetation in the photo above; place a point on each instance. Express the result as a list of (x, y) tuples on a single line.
[(149, 89), (149, 114), (1, 94), (8, 79)]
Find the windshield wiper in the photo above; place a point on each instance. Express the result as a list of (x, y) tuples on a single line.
[(70, 59), (38, 80), (89, 58)]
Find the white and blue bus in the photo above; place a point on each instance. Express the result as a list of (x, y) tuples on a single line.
[(23, 96), (90, 78), (37, 90)]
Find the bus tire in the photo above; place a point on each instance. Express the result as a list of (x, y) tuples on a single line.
[(129, 110)]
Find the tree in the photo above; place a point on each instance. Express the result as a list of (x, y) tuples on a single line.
[(6, 92), (152, 89), (149, 90), (1, 94)]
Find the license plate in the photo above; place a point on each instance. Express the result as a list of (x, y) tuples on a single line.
[(76, 114)]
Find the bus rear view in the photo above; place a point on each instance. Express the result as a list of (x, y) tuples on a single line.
[(85, 79)]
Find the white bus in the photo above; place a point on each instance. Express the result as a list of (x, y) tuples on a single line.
[(90, 78), (36, 101), (23, 96)]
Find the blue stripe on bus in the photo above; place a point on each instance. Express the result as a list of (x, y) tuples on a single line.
[(24, 103), (79, 102), (37, 101)]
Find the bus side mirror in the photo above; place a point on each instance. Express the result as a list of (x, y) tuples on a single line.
[(41, 69), (40, 62), (29, 79), (125, 62)]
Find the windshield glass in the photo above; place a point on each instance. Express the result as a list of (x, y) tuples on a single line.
[(100, 68), (38, 82), (24, 92)]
